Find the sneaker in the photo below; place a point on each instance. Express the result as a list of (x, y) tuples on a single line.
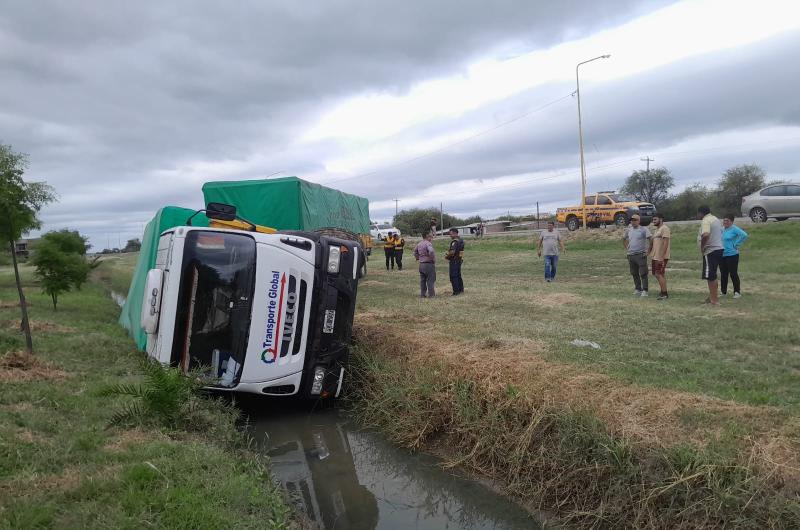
[(637, 292), (663, 296), (644, 294), (737, 295), (548, 280)]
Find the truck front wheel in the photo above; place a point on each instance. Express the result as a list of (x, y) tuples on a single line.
[(573, 224), (620, 219)]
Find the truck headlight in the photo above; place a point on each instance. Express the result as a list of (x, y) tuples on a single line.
[(334, 256), (319, 375)]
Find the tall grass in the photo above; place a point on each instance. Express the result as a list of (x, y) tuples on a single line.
[(564, 460)]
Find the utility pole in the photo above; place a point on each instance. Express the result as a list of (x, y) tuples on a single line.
[(580, 135), (537, 214), (396, 201), (647, 178), (441, 216)]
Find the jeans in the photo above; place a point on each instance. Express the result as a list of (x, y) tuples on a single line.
[(389, 257), (550, 264), (455, 277), (427, 277), (398, 258), (729, 266), (638, 268)]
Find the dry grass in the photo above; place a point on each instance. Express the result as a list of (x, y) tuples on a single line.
[(40, 326), (21, 366), (596, 451)]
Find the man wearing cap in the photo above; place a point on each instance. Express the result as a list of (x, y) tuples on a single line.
[(635, 240), (455, 256)]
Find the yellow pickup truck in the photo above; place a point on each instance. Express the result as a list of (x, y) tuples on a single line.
[(605, 208)]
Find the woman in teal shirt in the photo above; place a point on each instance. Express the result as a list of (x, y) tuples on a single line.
[(732, 239)]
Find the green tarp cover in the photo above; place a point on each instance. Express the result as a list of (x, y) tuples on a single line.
[(290, 203), (166, 218)]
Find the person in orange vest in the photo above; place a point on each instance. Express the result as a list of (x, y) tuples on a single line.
[(399, 246), (388, 249)]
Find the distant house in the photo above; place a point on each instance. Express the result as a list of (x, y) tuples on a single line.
[(23, 247)]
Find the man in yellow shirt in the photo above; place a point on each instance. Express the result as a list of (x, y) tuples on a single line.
[(659, 253), (399, 247), (388, 249)]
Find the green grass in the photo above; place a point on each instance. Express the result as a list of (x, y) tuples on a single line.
[(62, 464), (746, 350)]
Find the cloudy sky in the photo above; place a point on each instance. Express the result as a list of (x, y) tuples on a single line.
[(128, 106)]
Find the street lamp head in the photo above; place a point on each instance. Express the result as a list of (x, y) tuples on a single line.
[(606, 56)]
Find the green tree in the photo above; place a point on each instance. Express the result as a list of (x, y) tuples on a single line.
[(650, 186), (683, 206), (133, 245), (417, 221), (20, 203), (737, 182), (60, 263)]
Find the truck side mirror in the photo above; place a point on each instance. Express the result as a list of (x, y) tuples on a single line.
[(220, 211)]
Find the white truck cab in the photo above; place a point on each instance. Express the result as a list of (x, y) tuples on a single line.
[(265, 313)]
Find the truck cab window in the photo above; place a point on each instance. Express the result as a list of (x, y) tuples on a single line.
[(590, 200), (213, 313), (602, 200)]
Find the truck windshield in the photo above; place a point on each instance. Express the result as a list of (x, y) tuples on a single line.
[(621, 198), (213, 313)]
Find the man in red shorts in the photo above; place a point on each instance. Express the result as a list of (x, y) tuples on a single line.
[(659, 253)]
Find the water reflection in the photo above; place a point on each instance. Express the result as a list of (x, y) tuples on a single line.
[(347, 479)]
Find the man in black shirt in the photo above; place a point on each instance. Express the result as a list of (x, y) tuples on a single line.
[(455, 256)]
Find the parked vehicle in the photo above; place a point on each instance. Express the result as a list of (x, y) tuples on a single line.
[(605, 207), (778, 201), (380, 231), (257, 310)]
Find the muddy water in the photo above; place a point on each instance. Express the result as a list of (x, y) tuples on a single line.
[(343, 478)]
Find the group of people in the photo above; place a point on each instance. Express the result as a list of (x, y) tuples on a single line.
[(426, 256), (393, 247), (719, 243)]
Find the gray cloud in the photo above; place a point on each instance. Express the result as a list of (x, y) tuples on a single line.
[(117, 102)]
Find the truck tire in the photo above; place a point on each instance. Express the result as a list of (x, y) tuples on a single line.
[(620, 219), (573, 223)]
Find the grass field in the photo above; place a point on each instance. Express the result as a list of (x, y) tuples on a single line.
[(61, 463), (748, 350), (492, 376)]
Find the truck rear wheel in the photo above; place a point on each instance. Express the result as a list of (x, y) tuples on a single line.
[(620, 219), (573, 224)]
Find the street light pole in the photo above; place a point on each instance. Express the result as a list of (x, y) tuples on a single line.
[(580, 136)]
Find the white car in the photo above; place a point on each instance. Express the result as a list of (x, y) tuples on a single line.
[(380, 231), (780, 201)]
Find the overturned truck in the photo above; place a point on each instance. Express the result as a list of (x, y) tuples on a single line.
[(257, 309)]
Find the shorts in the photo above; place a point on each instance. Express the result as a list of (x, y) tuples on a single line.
[(658, 267), (711, 263)]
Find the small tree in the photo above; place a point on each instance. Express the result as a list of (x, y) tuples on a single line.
[(737, 182), (20, 203), (60, 263), (650, 186)]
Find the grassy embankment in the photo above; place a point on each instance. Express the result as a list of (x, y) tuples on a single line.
[(687, 416), (63, 466)]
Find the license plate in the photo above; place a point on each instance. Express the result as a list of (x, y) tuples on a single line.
[(330, 317)]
